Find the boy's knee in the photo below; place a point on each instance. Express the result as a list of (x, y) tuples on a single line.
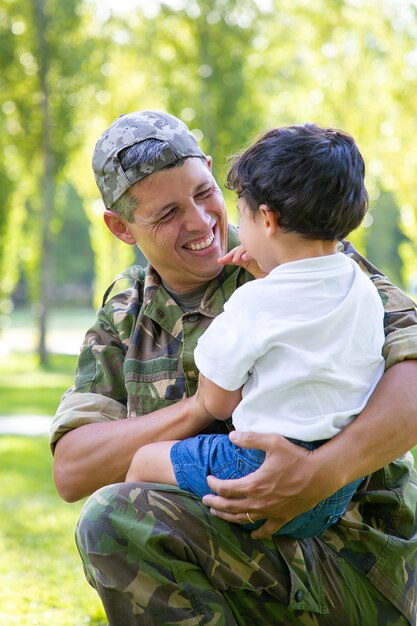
[(140, 461)]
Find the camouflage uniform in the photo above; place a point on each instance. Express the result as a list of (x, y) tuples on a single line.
[(155, 554)]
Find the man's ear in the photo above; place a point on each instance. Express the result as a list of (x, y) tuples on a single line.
[(119, 227), (270, 220), (209, 162)]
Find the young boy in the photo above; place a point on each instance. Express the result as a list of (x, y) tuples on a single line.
[(298, 352)]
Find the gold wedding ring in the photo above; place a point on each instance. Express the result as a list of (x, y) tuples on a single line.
[(249, 518)]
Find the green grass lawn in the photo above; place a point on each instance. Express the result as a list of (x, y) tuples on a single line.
[(26, 388), (41, 577)]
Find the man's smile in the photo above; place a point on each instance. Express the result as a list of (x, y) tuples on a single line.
[(201, 245)]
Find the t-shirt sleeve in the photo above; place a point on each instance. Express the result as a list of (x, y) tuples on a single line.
[(225, 353)]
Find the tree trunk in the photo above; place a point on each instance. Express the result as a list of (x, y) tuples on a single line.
[(47, 182)]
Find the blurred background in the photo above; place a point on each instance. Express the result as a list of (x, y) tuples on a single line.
[(230, 69)]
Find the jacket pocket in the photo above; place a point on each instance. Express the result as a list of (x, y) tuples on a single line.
[(153, 384)]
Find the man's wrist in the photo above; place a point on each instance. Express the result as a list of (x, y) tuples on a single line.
[(331, 466)]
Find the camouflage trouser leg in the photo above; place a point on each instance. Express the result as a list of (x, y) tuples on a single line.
[(157, 557)]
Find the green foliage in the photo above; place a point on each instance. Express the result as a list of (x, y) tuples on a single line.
[(229, 69), (74, 260), (48, 71), (41, 577), (385, 237)]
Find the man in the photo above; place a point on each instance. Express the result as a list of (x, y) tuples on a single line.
[(157, 555)]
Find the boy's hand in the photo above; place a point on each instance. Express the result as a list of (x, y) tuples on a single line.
[(239, 257)]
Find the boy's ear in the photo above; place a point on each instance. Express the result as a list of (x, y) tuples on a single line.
[(119, 227), (270, 220)]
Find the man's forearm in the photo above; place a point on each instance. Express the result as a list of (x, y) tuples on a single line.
[(98, 454), (385, 429)]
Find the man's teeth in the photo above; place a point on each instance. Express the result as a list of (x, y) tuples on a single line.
[(203, 244)]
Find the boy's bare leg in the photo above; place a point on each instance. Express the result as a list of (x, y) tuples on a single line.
[(152, 463)]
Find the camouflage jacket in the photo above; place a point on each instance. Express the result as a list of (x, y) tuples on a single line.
[(138, 357)]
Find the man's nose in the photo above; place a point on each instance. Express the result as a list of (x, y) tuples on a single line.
[(197, 217)]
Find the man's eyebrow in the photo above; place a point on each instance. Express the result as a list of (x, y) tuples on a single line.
[(204, 184)]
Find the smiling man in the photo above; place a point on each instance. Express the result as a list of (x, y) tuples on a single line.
[(180, 223), (157, 555)]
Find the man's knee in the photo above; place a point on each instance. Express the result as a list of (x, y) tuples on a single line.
[(98, 518)]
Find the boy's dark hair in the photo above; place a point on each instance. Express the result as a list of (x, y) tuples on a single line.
[(313, 177)]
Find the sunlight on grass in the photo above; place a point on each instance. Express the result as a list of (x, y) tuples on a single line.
[(26, 388), (41, 577), (66, 328)]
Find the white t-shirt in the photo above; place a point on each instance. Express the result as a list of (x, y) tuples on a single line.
[(306, 344)]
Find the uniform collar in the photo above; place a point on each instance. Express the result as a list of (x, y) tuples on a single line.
[(162, 308)]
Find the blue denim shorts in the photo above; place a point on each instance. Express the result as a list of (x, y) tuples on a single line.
[(198, 457)]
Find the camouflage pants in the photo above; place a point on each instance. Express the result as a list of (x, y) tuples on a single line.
[(157, 557)]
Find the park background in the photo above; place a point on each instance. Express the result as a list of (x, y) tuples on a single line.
[(230, 69)]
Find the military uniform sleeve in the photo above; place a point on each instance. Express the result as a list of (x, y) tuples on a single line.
[(400, 323), (78, 409), (400, 319), (99, 392)]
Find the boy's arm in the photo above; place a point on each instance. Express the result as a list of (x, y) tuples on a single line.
[(217, 401)]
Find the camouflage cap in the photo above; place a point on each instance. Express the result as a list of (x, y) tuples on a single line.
[(132, 128)]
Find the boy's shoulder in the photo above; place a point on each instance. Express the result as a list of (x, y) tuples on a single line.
[(250, 292)]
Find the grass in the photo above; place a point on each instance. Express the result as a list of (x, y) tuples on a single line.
[(41, 577), (26, 388)]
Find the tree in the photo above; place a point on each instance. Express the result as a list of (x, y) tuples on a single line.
[(385, 237), (52, 73), (48, 173)]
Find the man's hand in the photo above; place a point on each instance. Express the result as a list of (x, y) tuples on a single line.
[(289, 482), (239, 257)]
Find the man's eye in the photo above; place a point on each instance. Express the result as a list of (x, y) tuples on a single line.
[(205, 193), (167, 216)]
